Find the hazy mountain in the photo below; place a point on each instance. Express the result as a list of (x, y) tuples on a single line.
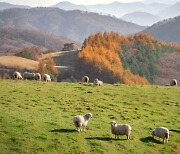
[(70, 6), (13, 38), (167, 30), (76, 25), (142, 18), (171, 11), (116, 8), (161, 1), (4, 6)]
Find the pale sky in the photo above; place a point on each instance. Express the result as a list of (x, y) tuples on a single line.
[(52, 2), (46, 3)]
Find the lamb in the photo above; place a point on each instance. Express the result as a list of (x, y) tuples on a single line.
[(81, 122), (47, 77), (161, 132), (38, 76), (17, 75), (97, 82), (173, 82), (29, 76), (120, 129), (85, 79)]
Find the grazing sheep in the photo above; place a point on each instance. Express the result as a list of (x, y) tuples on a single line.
[(29, 76), (38, 76), (173, 82), (161, 132), (97, 82), (120, 129), (46, 77), (17, 75), (85, 79), (81, 122)]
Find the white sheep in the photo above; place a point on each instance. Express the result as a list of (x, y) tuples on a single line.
[(38, 76), (97, 82), (81, 122), (17, 75), (29, 76), (85, 79), (47, 77), (173, 82), (161, 132), (120, 129)]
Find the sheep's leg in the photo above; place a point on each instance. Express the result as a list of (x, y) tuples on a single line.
[(84, 128)]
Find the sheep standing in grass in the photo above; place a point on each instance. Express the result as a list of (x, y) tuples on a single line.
[(38, 76), (97, 82), (161, 132), (81, 122), (17, 75), (46, 77), (120, 129), (173, 82), (85, 79), (29, 76)]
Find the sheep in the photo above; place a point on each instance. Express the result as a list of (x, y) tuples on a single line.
[(120, 129), (173, 82), (81, 122), (17, 75), (38, 76), (28, 75), (161, 132), (97, 82), (85, 79), (47, 77)]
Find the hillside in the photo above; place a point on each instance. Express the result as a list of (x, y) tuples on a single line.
[(18, 62), (142, 18), (36, 117), (168, 68), (12, 39), (76, 25), (167, 30), (4, 6)]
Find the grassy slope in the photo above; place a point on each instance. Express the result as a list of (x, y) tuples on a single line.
[(36, 117), (14, 61)]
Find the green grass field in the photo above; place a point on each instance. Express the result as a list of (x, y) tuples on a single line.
[(36, 117)]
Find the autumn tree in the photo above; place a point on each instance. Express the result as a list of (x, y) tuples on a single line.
[(42, 67), (51, 66)]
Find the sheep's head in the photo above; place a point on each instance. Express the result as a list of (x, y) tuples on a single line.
[(153, 134), (113, 123), (96, 80), (88, 116)]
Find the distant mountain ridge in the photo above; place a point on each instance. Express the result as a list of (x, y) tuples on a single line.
[(76, 25), (167, 30), (115, 8), (171, 11), (4, 6), (142, 18)]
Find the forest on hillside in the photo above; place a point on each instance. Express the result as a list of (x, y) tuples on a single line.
[(114, 58)]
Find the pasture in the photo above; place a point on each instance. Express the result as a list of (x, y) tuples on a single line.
[(36, 117)]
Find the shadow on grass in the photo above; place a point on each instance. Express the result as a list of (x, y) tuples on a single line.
[(102, 138), (174, 130), (150, 139), (63, 130)]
